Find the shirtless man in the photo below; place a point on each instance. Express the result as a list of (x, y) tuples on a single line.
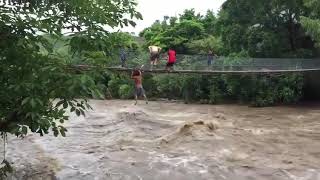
[(154, 55), (138, 90)]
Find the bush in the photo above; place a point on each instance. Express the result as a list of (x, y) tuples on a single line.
[(116, 81), (169, 86), (125, 91), (258, 90), (217, 90)]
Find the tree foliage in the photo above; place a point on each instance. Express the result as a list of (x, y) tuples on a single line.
[(266, 29), (260, 26), (34, 71), (312, 23), (178, 32)]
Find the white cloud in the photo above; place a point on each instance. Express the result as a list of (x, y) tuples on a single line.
[(153, 10)]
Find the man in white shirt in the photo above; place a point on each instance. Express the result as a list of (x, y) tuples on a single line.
[(154, 55)]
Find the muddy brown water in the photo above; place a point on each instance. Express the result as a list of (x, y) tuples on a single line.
[(120, 141)]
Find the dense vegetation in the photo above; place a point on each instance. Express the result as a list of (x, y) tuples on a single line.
[(243, 28)]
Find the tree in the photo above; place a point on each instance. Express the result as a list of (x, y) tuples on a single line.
[(312, 24), (238, 19), (190, 14), (173, 21), (209, 22), (175, 34), (204, 45), (32, 73)]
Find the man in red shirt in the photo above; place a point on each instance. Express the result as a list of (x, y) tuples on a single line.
[(171, 59)]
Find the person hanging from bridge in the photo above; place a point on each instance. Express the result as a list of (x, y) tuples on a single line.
[(154, 55), (211, 57), (123, 57), (171, 59), (138, 90)]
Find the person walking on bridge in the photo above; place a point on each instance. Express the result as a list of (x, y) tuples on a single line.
[(154, 55), (138, 90)]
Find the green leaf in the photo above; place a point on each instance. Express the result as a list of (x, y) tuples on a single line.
[(60, 103), (139, 16), (72, 109), (82, 112), (65, 105), (33, 103), (132, 23), (78, 112), (55, 131), (63, 132)]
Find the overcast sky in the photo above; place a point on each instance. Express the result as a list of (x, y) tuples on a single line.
[(153, 10)]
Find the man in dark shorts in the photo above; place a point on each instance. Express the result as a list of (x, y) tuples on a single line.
[(171, 59), (138, 89), (154, 55)]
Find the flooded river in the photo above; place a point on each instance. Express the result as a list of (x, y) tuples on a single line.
[(174, 141)]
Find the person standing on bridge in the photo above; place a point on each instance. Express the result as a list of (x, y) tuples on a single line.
[(138, 90), (171, 59), (123, 57), (154, 55), (211, 57)]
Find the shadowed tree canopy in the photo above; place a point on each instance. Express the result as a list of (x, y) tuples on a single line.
[(33, 73), (33, 65), (312, 23)]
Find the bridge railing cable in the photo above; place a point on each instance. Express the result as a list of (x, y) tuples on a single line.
[(199, 62)]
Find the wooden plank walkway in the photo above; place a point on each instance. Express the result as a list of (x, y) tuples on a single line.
[(162, 71)]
